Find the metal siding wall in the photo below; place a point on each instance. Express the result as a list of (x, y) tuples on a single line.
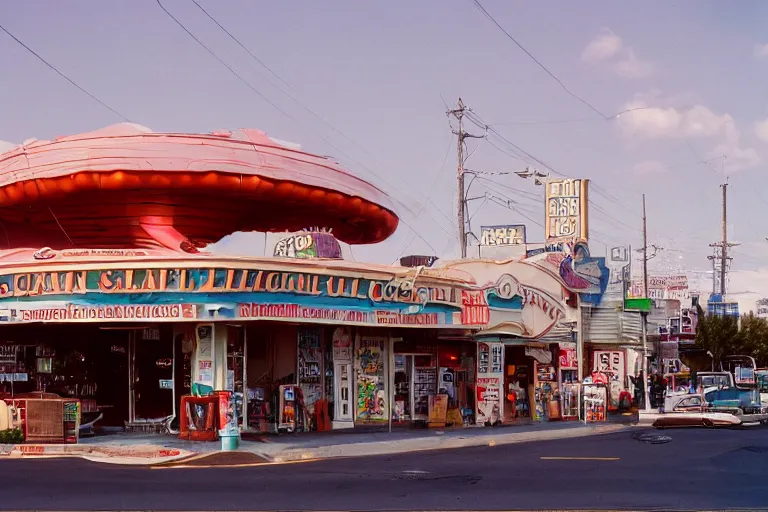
[(611, 325)]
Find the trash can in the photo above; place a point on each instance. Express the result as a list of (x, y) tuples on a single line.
[(229, 440)]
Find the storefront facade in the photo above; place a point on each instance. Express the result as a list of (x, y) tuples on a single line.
[(528, 356), (175, 322)]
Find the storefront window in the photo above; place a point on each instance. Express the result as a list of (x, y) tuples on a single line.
[(371, 381)]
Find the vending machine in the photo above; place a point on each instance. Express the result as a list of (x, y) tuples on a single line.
[(490, 380), (568, 381), (545, 392)]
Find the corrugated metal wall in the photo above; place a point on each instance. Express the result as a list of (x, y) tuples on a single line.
[(608, 324)]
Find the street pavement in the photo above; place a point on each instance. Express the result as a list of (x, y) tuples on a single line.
[(697, 469)]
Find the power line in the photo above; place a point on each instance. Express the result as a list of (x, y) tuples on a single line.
[(286, 93), (535, 160), (261, 95), (223, 63), (528, 195), (536, 123), (307, 108), (65, 77), (534, 59), (261, 63), (509, 154)]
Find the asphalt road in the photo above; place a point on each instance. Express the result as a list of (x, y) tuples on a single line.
[(697, 469)]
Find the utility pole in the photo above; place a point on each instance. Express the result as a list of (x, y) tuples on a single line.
[(461, 203), (646, 390), (720, 259), (724, 252)]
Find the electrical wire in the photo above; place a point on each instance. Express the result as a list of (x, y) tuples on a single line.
[(537, 123), (261, 95), (535, 160), (525, 193), (534, 59), (451, 221), (236, 40), (223, 63), (65, 77), (309, 110), (286, 93), (428, 199)]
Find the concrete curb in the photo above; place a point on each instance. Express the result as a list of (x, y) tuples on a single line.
[(646, 418), (127, 455), (438, 443)]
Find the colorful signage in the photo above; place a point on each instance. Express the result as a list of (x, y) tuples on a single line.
[(255, 311), (68, 312), (576, 268), (474, 309), (566, 208), (308, 245), (213, 280), (522, 299), (663, 287), (205, 294), (567, 356)]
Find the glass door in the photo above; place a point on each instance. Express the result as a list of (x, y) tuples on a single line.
[(403, 379), (342, 373), (236, 370), (424, 385)]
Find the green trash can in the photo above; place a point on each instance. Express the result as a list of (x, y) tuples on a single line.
[(229, 440)]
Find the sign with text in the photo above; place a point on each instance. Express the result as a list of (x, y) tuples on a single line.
[(57, 312), (502, 235), (254, 311), (221, 280), (663, 287), (566, 209)]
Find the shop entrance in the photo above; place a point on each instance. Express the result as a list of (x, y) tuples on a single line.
[(415, 382), (342, 375), (518, 384), (152, 353), (72, 361)]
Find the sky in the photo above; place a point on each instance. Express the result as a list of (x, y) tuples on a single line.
[(369, 83)]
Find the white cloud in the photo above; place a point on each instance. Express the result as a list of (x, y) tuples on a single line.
[(649, 167), (761, 130), (605, 46), (6, 146), (761, 51), (652, 117), (737, 158), (609, 50), (669, 122), (632, 67)]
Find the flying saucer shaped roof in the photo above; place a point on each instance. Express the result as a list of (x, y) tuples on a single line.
[(126, 186)]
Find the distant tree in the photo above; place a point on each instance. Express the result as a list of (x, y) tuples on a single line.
[(718, 335), (754, 338)]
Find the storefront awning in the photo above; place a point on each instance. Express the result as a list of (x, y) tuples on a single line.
[(514, 342), (514, 334)]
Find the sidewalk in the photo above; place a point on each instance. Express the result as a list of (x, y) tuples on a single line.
[(323, 446), (153, 449)]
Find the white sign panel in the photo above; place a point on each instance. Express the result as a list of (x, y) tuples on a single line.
[(566, 212), (502, 235)]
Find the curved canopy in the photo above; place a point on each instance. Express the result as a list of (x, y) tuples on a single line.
[(126, 186)]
